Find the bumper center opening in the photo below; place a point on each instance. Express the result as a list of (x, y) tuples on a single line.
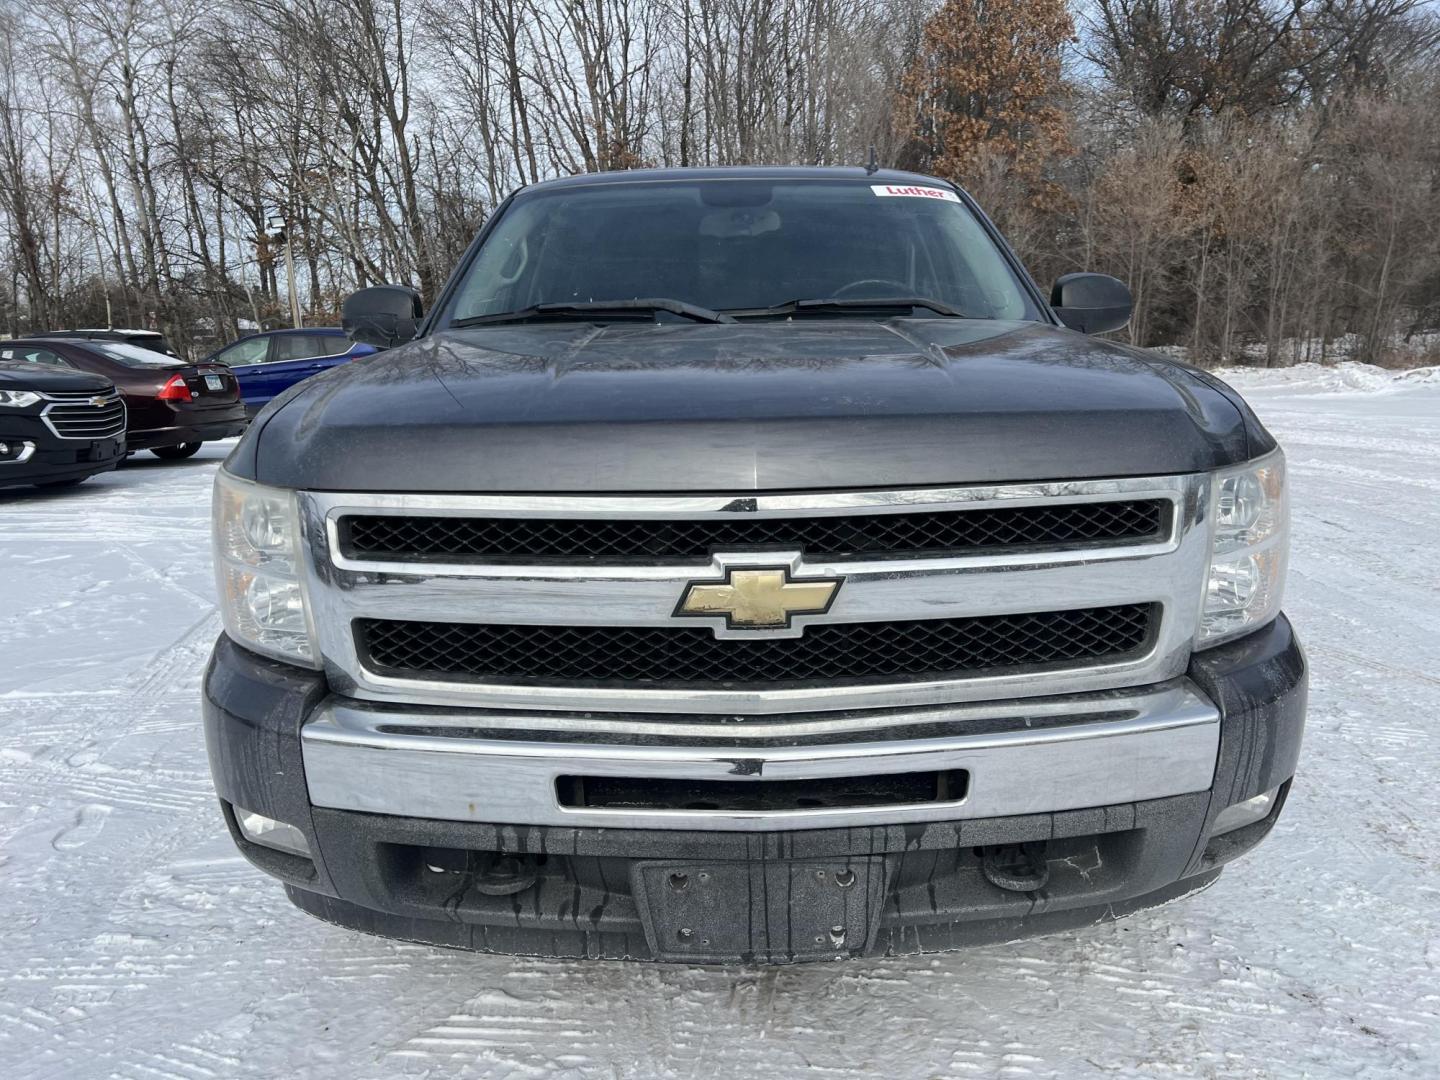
[(770, 796)]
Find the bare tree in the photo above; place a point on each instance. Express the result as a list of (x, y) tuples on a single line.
[(1265, 173)]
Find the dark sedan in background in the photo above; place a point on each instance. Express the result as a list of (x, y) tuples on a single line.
[(270, 363), (57, 427), (145, 339), (174, 407)]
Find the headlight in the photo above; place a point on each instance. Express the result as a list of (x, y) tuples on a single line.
[(257, 559), (18, 399), (1251, 525)]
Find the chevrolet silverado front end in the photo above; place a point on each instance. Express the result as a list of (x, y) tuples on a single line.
[(602, 625)]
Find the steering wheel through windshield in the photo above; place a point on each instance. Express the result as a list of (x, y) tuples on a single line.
[(866, 287)]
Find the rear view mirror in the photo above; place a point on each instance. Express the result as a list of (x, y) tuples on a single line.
[(382, 315), (1092, 303)]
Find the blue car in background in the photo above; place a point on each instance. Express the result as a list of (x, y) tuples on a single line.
[(268, 364)]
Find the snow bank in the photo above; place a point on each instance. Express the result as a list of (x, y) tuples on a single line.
[(1349, 377)]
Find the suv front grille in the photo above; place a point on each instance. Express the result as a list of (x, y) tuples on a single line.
[(934, 648), (610, 541), (93, 415)]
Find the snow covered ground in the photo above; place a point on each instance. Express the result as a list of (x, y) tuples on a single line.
[(134, 942)]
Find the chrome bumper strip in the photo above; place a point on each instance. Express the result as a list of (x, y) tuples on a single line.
[(437, 765)]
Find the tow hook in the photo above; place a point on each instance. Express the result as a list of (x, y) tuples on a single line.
[(493, 873), (1018, 868), (504, 875)]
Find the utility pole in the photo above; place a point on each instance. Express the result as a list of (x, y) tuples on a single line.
[(280, 233), (94, 207), (104, 285), (290, 281)]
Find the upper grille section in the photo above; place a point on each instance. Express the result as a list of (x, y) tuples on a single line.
[(613, 541), (78, 416), (694, 657)]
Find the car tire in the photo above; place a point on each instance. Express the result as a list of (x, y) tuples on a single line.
[(178, 452)]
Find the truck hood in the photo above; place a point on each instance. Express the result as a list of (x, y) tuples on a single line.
[(766, 406), (20, 375)]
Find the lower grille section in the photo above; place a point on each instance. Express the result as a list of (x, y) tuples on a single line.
[(694, 657)]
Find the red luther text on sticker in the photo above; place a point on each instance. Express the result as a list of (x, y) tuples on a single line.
[(914, 191)]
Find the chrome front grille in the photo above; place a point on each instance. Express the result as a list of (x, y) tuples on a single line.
[(403, 618), (90, 415)]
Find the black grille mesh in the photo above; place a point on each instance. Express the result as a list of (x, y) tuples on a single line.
[(692, 655), (619, 541)]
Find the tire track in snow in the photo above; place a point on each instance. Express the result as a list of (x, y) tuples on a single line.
[(87, 825)]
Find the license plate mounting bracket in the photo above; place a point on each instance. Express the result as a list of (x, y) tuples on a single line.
[(761, 911)]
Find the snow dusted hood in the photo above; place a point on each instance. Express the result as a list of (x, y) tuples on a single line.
[(756, 406)]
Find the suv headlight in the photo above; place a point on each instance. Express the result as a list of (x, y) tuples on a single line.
[(18, 399), (1251, 523), (257, 561)]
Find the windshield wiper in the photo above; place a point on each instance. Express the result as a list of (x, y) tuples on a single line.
[(824, 306), (600, 309)]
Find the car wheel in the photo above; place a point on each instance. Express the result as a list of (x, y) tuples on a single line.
[(176, 453)]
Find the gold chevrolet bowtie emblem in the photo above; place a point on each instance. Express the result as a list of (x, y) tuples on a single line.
[(759, 599)]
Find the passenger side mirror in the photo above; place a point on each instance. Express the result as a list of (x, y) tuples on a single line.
[(1092, 303), (382, 315)]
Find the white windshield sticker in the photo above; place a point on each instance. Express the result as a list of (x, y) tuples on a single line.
[(914, 191)]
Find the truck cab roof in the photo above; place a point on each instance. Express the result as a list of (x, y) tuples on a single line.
[(741, 172)]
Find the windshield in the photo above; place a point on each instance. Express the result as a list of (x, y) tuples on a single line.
[(738, 245), (133, 355)]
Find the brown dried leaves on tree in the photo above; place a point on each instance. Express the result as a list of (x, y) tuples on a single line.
[(985, 91)]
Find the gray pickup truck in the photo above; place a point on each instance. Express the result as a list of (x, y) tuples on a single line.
[(749, 565)]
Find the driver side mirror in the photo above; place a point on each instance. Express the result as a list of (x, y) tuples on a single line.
[(383, 315), (1092, 303)]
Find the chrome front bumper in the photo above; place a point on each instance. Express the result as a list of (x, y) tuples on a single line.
[(1023, 757)]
